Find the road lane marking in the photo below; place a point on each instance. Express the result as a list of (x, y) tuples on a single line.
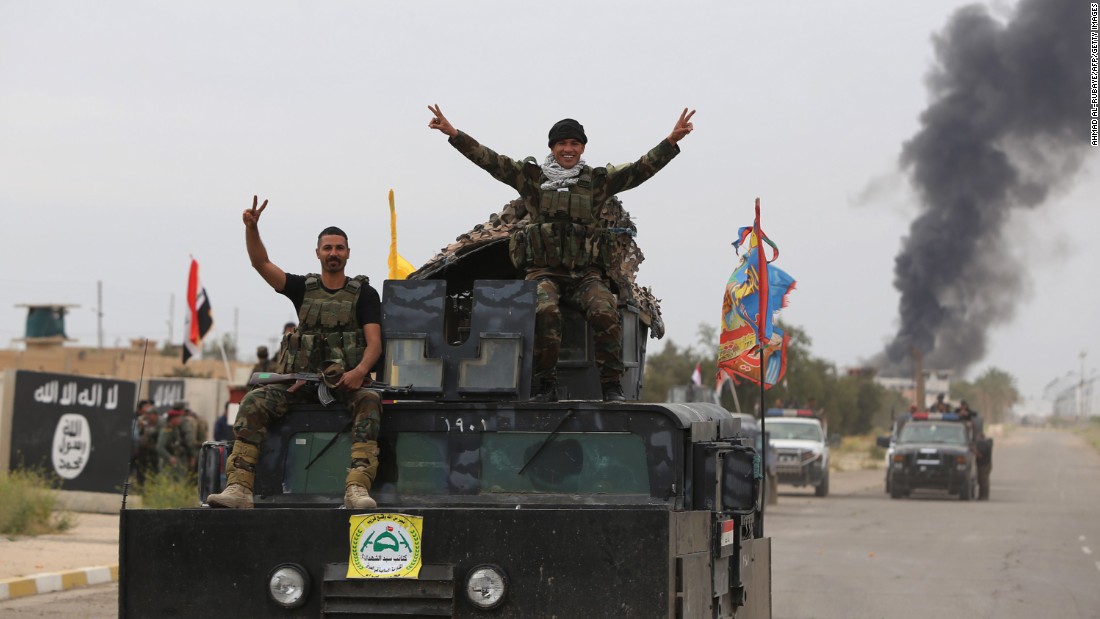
[(1080, 538), (1086, 550)]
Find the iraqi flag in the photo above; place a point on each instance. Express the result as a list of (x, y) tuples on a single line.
[(198, 318)]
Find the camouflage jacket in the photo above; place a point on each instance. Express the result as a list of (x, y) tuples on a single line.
[(526, 176)]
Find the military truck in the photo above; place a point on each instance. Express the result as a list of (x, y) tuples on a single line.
[(933, 451), (489, 505)]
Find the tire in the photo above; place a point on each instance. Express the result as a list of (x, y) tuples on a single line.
[(896, 492), (822, 489), (967, 492)]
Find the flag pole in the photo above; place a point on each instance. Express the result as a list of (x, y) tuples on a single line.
[(763, 446), (225, 359), (761, 322)]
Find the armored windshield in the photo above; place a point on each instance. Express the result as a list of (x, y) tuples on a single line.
[(529, 463), (948, 433), (781, 430)]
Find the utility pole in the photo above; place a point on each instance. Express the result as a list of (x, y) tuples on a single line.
[(236, 333), (918, 380), (1081, 388), (171, 316), (99, 313)]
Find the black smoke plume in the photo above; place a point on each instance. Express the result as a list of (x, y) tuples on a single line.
[(1008, 123)]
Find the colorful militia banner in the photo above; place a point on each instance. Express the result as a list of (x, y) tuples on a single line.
[(199, 320), (753, 296), (399, 267)]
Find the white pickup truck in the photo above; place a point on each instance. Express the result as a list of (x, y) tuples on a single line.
[(799, 436)]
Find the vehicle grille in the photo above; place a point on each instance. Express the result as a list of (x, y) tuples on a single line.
[(932, 459), (789, 460), (429, 595)]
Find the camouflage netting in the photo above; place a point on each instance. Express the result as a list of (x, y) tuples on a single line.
[(628, 256)]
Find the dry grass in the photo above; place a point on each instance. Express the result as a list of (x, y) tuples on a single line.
[(1091, 432), (27, 505), (856, 452), (169, 491)]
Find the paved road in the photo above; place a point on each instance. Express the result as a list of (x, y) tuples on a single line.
[(1031, 551)]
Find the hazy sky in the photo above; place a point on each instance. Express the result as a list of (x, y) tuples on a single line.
[(133, 134)]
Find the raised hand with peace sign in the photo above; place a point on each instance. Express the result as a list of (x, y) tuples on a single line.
[(683, 126), (440, 122), (252, 215)]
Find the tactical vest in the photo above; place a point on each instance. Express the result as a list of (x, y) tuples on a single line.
[(566, 232), (327, 329)]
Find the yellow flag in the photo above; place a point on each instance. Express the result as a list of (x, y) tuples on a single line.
[(399, 267)]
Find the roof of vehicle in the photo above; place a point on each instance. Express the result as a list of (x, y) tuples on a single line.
[(812, 421), (927, 416)]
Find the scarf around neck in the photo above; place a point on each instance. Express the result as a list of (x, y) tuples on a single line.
[(558, 177)]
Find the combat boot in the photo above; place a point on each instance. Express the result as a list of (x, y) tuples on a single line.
[(547, 390), (357, 497), (364, 468), (240, 478), (613, 392), (235, 496)]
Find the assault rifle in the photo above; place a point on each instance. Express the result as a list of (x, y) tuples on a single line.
[(324, 393)]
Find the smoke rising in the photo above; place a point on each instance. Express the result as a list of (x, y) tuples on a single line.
[(1006, 126)]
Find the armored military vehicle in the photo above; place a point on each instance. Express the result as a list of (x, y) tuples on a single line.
[(934, 451), (489, 505)]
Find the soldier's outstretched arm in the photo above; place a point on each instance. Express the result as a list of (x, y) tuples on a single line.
[(683, 126), (505, 169), (623, 177), (257, 253)]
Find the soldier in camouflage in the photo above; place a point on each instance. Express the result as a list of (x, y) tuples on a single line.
[(339, 333), (264, 363), (567, 246)]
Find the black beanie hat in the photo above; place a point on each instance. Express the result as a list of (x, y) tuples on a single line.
[(565, 129)]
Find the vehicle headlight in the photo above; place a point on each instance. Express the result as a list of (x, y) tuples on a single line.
[(288, 585), (486, 586)]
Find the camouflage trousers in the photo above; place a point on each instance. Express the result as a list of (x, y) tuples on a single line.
[(589, 292), (260, 407)]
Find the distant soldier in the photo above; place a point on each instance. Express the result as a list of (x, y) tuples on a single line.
[(940, 406), (146, 424), (983, 446), (223, 430), (200, 433), (263, 362), (173, 444)]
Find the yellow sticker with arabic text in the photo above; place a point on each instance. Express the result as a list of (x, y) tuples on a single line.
[(385, 546)]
